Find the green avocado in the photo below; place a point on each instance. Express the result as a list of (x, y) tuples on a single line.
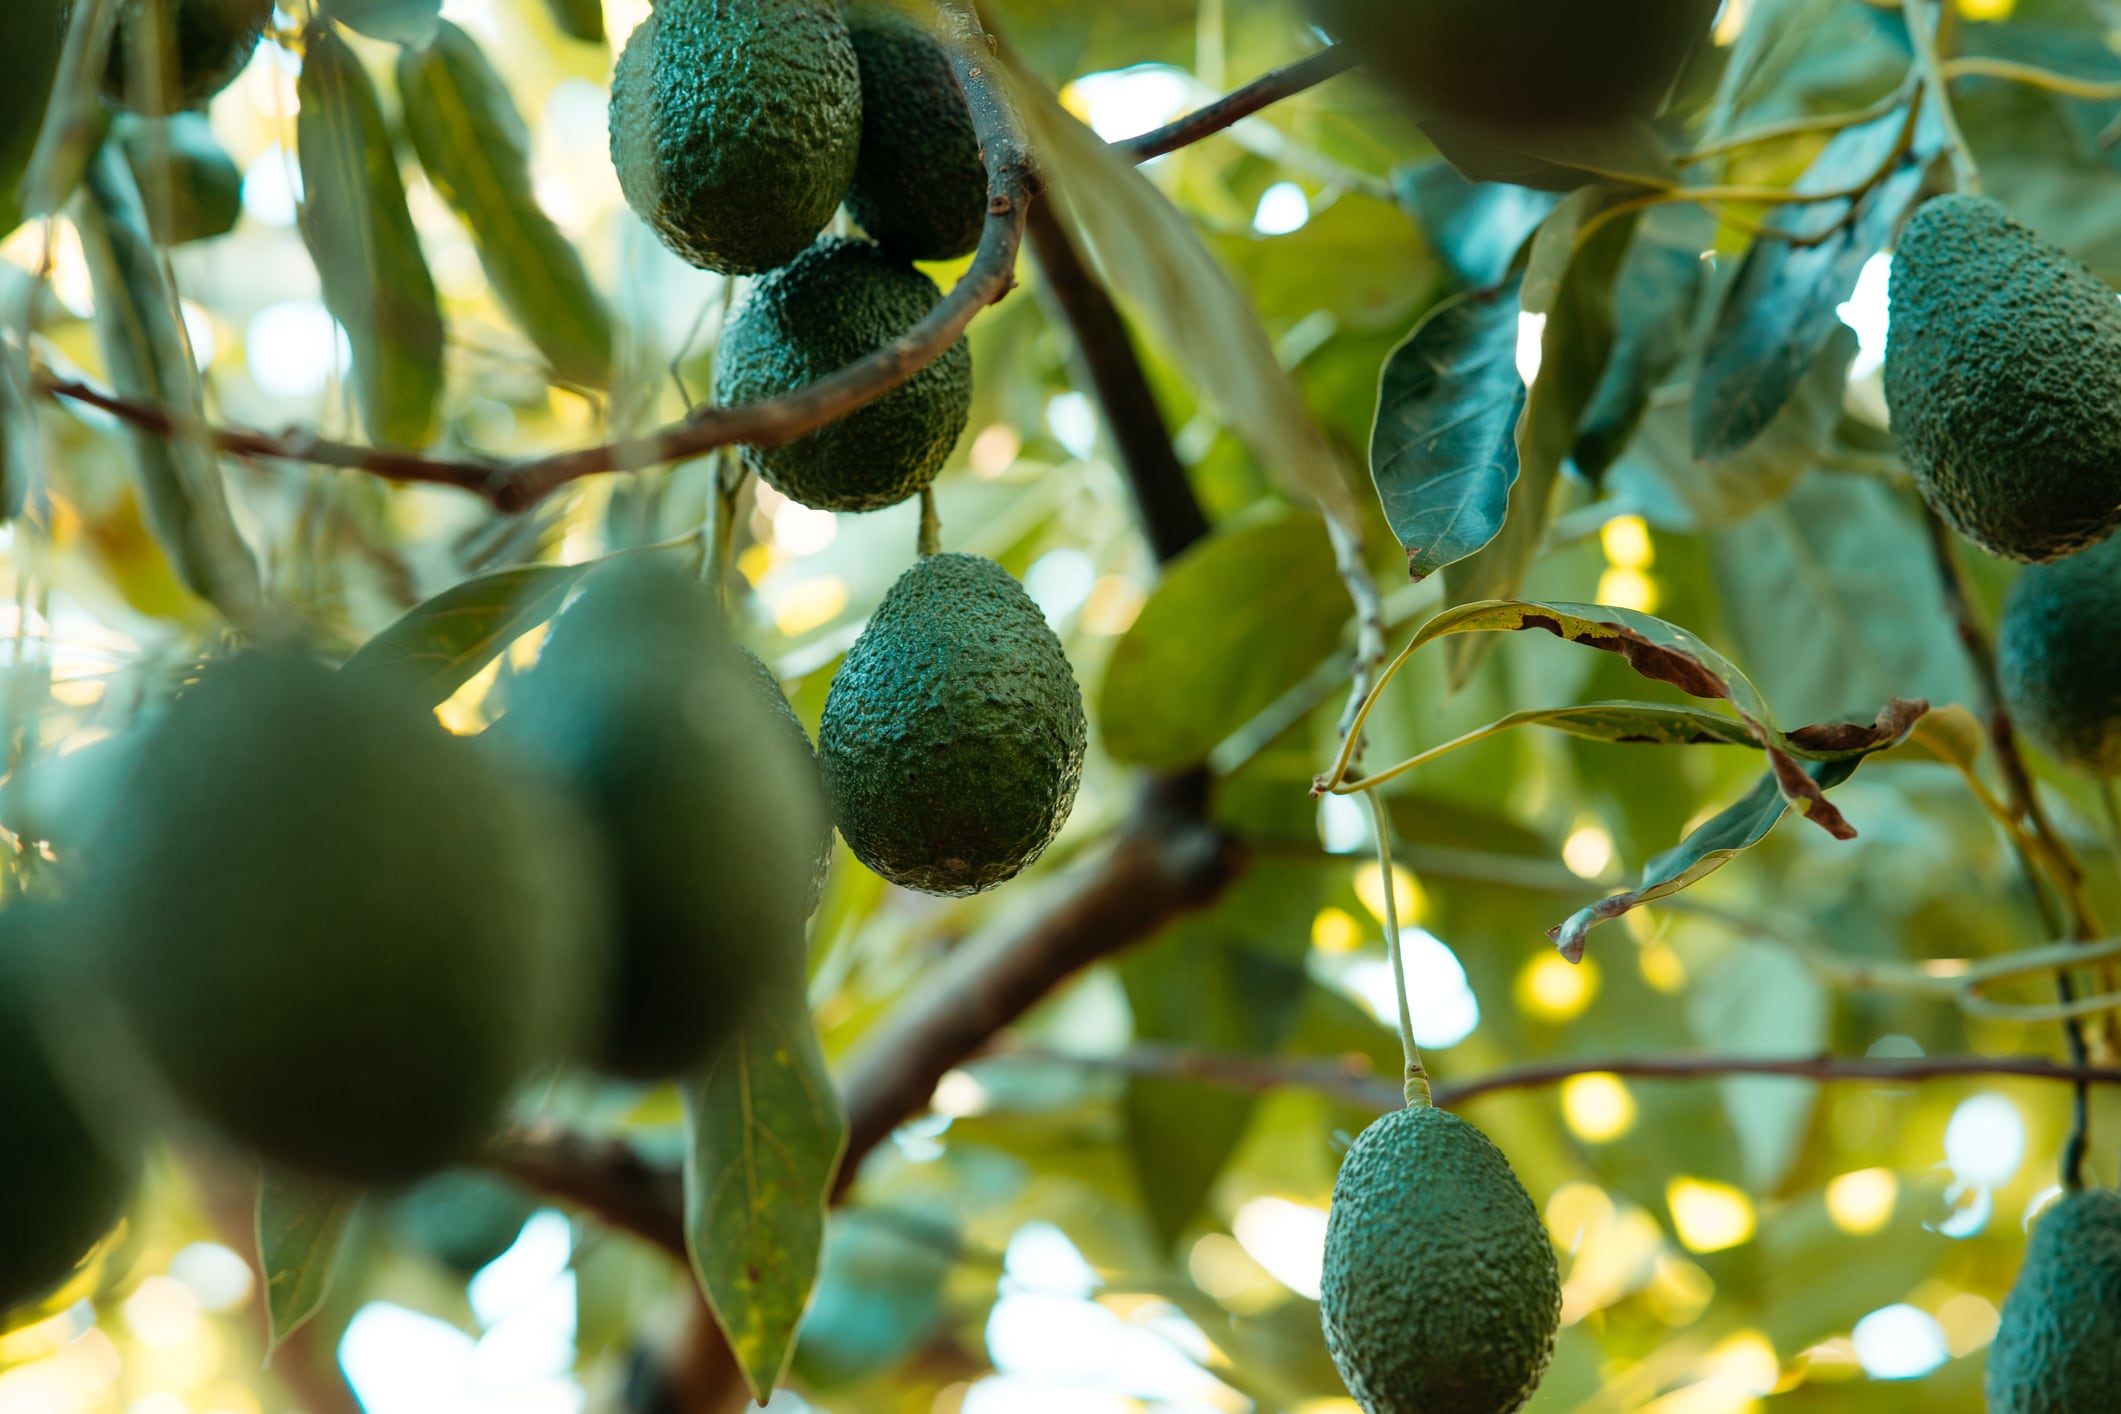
[(735, 125), (2058, 1348), (644, 711), (920, 189), (2058, 657), (841, 301), (1522, 64), (953, 735), (463, 1218), (61, 1188), (201, 44), (767, 684), (202, 195), (31, 32), (1440, 1293), (2003, 374), (341, 936)]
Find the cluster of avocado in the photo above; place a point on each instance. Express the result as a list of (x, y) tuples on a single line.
[(1440, 1293), (737, 131), (319, 926)]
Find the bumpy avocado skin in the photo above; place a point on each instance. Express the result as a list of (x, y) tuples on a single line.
[(953, 735), (2058, 1349), (643, 710), (2058, 656), (920, 189), (841, 301), (2003, 374), (61, 1188), (735, 125), (1522, 64), (207, 44), (1440, 1294), (340, 935), (767, 684)]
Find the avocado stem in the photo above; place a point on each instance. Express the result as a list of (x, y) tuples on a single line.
[(1923, 36), (931, 524), (1417, 1081)]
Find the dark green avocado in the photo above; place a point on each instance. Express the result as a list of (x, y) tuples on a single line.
[(1440, 1293), (1522, 64), (339, 935), (841, 301), (953, 735), (61, 1187), (643, 710), (30, 36), (199, 193), (735, 125), (2003, 373), (2058, 657), (201, 45), (920, 189), (767, 684), (2058, 1348)]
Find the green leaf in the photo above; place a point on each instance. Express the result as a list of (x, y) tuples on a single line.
[(397, 21), (1653, 301), (1757, 1000), (444, 643), (1558, 159), (1780, 311), (766, 1135), (300, 1225), (1477, 227), (579, 19), (1704, 851), (361, 236), (1237, 621), (75, 118), (147, 357), (475, 148), (1149, 253), (1444, 453), (1570, 280), (192, 188)]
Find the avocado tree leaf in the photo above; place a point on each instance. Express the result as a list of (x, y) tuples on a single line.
[(300, 1225), (1705, 850), (1654, 298), (1568, 279), (1761, 1000), (438, 646), (1237, 621), (1780, 310), (360, 234), (1477, 227), (766, 1134), (1149, 253), (1559, 159), (476, 150), (75, 116), (147, 357), (579, 19), (397, 21), (1444, 451)]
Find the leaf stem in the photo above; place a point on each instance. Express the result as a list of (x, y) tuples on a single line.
[(1417, 1079)]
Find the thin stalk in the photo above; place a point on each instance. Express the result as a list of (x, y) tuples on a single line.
[(1923, 36), (931, 524), (1417, 1078)]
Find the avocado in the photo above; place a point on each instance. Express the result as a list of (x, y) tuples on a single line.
[(341, 936), (2058, 1348), (767, 684), (201, 44), (1440, 1293), (953, 735), (2058, 657), (735, 125), (2003, 375), (61, 1186), (31, 32), (463, 1218), (920, 189), (199, 195), (1521, 65), (840, 301), (644, 711)]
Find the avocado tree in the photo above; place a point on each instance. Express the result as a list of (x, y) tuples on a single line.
[(903, 706)]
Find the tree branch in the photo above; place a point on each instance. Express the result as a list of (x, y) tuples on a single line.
[(1237, 105)]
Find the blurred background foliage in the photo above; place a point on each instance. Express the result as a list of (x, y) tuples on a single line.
[(1069, 1229)]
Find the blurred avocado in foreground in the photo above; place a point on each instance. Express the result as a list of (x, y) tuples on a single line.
[(643, 710), (768, 686), (2058, 1347), (31, 32), (2058, 657), (61, 1186), (954, 734), (339, 935), (1441, 1294)]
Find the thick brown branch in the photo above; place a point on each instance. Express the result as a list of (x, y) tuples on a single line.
[(606, 1178), (1232, 108)]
